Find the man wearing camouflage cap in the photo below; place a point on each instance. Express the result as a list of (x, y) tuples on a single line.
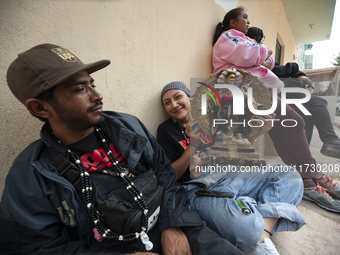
[(96, 182)]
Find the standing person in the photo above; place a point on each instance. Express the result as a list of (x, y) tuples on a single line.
[(292, 76), (96, 182), (242, 210), (233, 49)]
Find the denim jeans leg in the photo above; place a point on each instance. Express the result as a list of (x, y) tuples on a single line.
[(224, 216), (266, 194), (277, 195)]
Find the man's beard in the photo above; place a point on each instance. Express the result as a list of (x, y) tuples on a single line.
[(75, 120)]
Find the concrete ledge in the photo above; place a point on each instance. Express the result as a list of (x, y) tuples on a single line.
[(320, 236)]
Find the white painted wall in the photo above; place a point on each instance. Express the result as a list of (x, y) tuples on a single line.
[(150, 43)]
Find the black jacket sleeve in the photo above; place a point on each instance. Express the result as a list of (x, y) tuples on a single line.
[(291, 69), (53, 239), (164, 140), (30, 224)]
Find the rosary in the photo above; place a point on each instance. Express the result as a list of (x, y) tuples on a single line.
[(87, 191)]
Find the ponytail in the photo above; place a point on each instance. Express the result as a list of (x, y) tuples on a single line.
[(218, 31)]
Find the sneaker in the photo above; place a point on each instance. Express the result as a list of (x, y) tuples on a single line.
[(329, 184), (320, 196), (265, 248), (331, 148)]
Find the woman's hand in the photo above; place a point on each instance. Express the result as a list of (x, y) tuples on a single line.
[(195, 161), (195, 134), (270, 52), (267, 63), (306, 81)]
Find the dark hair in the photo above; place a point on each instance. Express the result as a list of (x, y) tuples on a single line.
[(47, 96), (224, 25), (255, 33)]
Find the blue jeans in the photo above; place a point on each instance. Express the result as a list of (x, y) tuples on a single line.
[(271, 195)]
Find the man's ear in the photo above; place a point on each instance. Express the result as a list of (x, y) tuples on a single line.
[(37, 107)]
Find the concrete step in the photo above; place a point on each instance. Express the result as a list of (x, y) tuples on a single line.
[(320, 236)]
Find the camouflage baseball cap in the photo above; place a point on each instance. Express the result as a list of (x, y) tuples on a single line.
[(43, 67)]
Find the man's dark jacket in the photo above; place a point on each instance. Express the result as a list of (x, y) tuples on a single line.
[(41, 212)]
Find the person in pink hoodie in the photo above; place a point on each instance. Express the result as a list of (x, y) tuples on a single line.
[(233, 49)]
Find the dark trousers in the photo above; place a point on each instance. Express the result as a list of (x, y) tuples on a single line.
[(320, 118), (290, 142)]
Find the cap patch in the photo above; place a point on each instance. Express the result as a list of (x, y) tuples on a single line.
[(64, 54)]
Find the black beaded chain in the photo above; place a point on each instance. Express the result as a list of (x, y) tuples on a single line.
[(87, 191)]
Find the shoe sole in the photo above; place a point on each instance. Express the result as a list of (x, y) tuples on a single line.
[(321, 205), (327, 151)]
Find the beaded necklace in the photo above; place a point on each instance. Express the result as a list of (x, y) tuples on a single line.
[(87, 191)]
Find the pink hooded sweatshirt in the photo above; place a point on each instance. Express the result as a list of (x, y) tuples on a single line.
[(235, 50)]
